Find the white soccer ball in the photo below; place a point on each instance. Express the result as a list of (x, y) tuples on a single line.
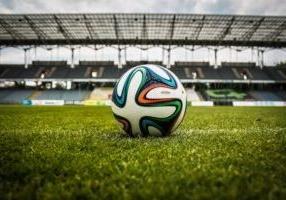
[(149, 100)]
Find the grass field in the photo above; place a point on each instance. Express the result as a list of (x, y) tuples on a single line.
[(81, 153)]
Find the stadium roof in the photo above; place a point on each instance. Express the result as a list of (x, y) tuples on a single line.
[(136, 29)]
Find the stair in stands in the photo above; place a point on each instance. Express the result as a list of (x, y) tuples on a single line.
[(4, 72), (187, 72), (248, 72), (200, 73), (100, 72), (53, 69), (35, 94), (38, 73), (237, 75), (282, 73), (87, 72)]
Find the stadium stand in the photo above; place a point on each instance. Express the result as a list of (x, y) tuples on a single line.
[(179, 68), (130, 63), (228, 73), (211, 73), (13, 96), (12, 71), (238, 64), (281, 94), (192, 95), (59, 72), (31, 72), (265, 96), (67, 95), (45, 63), (275, 73), (78, 72), (111, 72), (258, 74), (99, 69), (190, 70), (228, 70), (88, 75), (108, 70), (103, 93)]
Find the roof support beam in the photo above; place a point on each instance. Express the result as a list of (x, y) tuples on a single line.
[(275, 34), (62, 29), (169, 57), (226, 30), (176, 29), (9, 29), (40, 34), (116, 27), (144, 33), (248, 35), (199, 29), (172, 28), (89, 27), (274, 44)]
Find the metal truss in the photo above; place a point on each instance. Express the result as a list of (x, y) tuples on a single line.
[(142, 29)]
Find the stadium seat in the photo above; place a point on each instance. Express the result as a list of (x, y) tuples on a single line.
[(14, 96), (265, 96), (67, 95)]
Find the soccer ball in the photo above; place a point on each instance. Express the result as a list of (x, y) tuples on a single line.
[(149, 100)]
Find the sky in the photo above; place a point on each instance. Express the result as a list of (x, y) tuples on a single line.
[(244, 7)]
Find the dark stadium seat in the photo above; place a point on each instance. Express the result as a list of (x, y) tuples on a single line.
[(60, 72), (2, 70), (275, 73), (108, 70), (30, 72), (281, 94), (12, 96), (130, 64), (185, 70), (13, 71), (77, 72), (112, 72), (155, 63), (265, 96), (19, 72), (103, 69), (227, 73), (179, 71), (49, 63), (67, 95), (96, 63), (238, 64), (210, 73), (258, 74)]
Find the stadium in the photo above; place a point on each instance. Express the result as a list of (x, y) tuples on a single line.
[(75, 83), (59, 139)]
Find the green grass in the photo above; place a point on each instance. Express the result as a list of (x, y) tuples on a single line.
[(81, 153)]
